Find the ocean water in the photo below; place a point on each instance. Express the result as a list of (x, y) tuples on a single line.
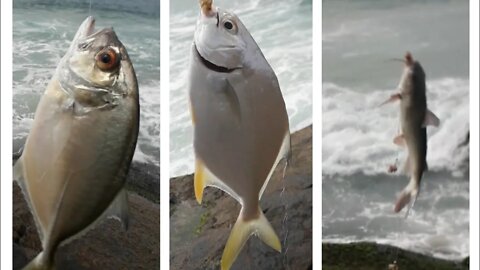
[(283, 31), (42, 32), (359, 38)]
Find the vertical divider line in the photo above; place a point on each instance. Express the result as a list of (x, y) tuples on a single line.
[(317, 134), (474, 134), (164, 134), (6, 253)]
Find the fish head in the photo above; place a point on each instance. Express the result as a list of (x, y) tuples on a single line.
[(413, 74), (413, 66), (220, 38), (97, 62)]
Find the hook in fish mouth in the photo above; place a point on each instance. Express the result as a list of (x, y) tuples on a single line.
[(408, 60), (211, 65)]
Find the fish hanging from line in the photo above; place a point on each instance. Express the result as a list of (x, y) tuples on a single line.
[(241, 129), (76, 158), (414, 119)]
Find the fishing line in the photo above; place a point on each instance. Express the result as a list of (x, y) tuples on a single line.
[(392, 169), (90, 8), (395, 60), (394, 265)]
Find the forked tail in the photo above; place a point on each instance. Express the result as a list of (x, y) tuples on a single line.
[(409, 192), (241, 232), (41, 262)]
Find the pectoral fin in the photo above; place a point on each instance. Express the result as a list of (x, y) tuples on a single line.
[(392, 98), (431, 119)]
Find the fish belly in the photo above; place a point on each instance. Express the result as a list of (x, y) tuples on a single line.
[(73, 166)]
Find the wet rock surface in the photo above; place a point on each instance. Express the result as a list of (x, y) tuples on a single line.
[(198, 233)]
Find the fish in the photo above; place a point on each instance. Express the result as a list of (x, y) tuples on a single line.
[(240, 122), (76, 157), (414, 119)]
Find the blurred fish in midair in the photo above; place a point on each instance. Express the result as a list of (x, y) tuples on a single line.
[(241, 129), (76, 158), (414, 119)]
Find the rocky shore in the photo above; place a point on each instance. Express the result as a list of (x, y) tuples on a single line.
[(372, 256), (198, 233)]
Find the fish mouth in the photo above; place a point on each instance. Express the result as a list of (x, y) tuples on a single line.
[(211, 66), (407, 60), (207, 8), (87, 29)]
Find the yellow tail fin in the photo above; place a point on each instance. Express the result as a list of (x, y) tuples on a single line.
[(241, 232)]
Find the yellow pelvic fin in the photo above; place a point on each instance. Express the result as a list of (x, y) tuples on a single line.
[(241, 232), (199, 180)]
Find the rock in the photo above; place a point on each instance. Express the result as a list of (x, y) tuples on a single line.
[(198, 233), (107, 246), (144, 179), (372, 256)]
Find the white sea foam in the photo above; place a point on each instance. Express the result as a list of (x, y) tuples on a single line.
[(358, 133), (282, 30), (360, 208)]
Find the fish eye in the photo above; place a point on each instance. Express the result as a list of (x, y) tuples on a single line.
[(107, 59), (228, 25)]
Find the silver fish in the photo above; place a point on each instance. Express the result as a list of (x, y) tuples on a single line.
[(414, 118), (241, 129), (76, 158)]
